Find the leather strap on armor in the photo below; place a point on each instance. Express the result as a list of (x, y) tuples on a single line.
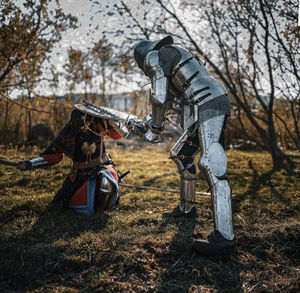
[(188, 81), (181, 65), (196, 146), (199, 99), (180, 157), (193, 202)]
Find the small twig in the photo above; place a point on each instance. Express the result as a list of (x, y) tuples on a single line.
[(55, 265), (253, 287), (23, 106), (22, 259), (175, 264), (240, 217)]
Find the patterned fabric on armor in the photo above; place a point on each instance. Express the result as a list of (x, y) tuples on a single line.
[(78, 144), (83, 147)]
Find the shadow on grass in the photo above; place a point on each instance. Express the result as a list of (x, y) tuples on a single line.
[(274, 251), (42, 255), (19, 211), (267, 246), (263, 180), (187, 271)]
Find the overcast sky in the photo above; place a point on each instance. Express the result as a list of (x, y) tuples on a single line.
[(83, 37), (89, 19)]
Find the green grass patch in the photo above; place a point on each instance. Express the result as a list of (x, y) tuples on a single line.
[(133, 249)]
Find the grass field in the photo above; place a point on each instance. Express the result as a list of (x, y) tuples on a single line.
[(133, 249)]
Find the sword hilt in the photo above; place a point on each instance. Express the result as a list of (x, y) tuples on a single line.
[(123, 175)]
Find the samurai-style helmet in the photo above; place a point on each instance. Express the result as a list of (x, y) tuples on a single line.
[(145, 46)]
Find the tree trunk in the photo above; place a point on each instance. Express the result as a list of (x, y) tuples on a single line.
[(29, 123), (279, 158)]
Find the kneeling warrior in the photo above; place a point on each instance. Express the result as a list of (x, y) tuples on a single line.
[(180, 81), (93, 181)]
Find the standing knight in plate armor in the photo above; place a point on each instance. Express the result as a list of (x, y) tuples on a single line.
[(180, 81)]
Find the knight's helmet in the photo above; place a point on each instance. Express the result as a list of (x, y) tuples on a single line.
[(144, 47)]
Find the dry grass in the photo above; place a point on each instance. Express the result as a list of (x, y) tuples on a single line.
[(133, 249)]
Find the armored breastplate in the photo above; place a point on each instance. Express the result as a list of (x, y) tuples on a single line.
[(191, 80)]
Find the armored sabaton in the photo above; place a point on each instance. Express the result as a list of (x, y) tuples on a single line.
[(181, 81)]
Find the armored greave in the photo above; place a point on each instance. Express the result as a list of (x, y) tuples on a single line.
[(187, 191), (183, 156), (213, 163)]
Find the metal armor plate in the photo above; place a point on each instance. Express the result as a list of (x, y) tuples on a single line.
[(193, 80), (192, 84), (217, 160)]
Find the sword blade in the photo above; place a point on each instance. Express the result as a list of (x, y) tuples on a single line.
[(8, 163), (160, 189), (116, 114)]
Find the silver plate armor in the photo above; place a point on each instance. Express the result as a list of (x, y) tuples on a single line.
[(106, 186), (106, 192), (202, 104), (159, 89), (187, 179), (191, 81), (213, 164)]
